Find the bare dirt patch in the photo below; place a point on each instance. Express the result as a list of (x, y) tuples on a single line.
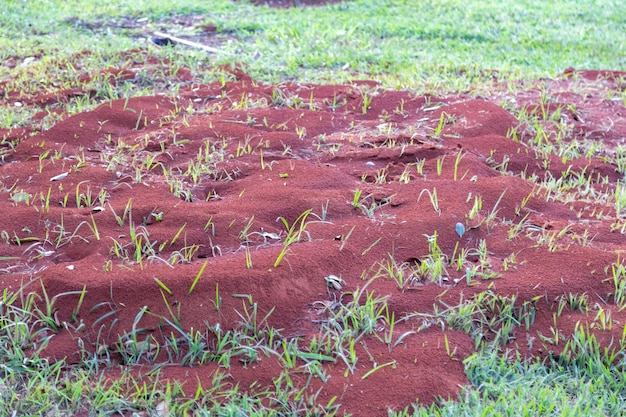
[(294, 3), (176, 211)]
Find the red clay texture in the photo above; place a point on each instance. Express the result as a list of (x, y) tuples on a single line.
[(180, 206)]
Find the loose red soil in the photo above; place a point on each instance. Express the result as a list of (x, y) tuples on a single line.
[(293, 147), (294, 3)]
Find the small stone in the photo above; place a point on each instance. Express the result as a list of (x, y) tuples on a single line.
[(60, 176), (460, 229)]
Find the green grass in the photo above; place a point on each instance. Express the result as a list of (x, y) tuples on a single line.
[(424, 46), (442, 44), (556, 388)]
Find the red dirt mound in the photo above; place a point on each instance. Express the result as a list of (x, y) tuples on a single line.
[(180, 208)]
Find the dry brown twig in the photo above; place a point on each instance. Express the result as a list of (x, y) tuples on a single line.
[(186, 42)]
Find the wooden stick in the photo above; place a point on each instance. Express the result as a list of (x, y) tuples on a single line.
[(186, 42)]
